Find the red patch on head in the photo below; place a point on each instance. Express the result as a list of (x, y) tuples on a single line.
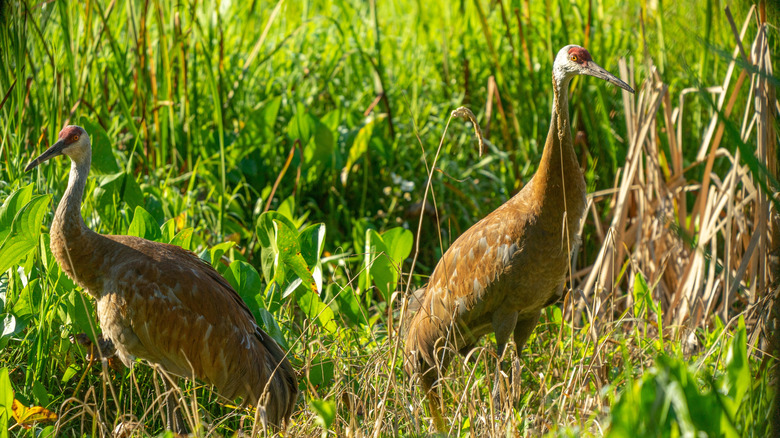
[(70, 133), (579, 55)]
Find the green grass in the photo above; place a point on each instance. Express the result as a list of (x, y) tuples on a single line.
[(197, 109)]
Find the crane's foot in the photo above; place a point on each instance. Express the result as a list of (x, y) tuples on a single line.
[(104, 350), (174, 420), (438, 420), (500, 395), (515, 381), (127, 429)]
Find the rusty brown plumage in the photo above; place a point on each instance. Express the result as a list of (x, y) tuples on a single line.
[(161, 303), (499, 274)]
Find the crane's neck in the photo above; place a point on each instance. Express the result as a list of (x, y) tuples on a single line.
[(70, 237), (558, 152), (67, 218), (559, 182)]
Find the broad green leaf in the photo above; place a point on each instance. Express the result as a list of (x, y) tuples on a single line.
[(183, 239), (555, 315), (69, 373), (318, 153), (642, 295), (41, 394), (9, 325), (302, 125), (25, 230), (332, 120), (13, 203), (28, 301), (6, 401), (79, 313), (326, 413), (3, 291), (267, 117), (103, 161), (10, 328), (287, 208), (398, 242), (168, 230), (268, 257), (273, 297), (265, 226), (246, 281), (47, 432), (321, 371), (374, 262), (268, 322), (144, 225), (113, 189), (315, 309), (736, 382), (214, 254), (348, 303), (312, 242), (290, 251), (292, 287), (384, 255), (379, 265)]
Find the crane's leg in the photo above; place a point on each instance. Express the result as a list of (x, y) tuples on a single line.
[(434, 403), (503, 324), (174, 421), (523, 330)]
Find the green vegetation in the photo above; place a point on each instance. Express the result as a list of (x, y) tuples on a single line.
[(290, 144)]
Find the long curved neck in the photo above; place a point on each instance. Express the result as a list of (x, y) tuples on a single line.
[(67, 218), (73, 244), (558, 158), (560, 185)]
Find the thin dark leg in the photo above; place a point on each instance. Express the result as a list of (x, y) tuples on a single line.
[(503, 324), (174, 421), (523, 330), (428, 380)]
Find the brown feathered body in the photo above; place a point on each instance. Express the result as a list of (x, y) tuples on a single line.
[(162, 303), (500, 273)]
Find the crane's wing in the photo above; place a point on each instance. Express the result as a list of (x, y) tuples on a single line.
[(177, 311), (473, 277)]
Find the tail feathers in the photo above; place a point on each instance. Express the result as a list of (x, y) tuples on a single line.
[(281, 391), (431, 338), (421, 332)]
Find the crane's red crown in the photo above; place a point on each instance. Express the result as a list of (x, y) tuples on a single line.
[(71, 133), (580, 55)]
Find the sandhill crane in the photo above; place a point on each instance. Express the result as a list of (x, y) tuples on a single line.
[(500, 273), (162, 303)]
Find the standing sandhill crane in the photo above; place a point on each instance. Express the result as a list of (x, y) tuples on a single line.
[(163, 304), (502, 271)]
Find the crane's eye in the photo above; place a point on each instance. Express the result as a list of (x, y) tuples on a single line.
[(573, 58), (74, 137)]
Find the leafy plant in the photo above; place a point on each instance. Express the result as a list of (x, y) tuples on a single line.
[(674, 399)]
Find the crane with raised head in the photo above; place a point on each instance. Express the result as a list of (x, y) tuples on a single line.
[(164, 304), (499, 274)]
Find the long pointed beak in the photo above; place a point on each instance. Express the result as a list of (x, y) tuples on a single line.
[(593, 69), (53, 151)]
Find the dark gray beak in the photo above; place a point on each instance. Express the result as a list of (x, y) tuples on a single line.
[(53, 151), (593, 69)]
